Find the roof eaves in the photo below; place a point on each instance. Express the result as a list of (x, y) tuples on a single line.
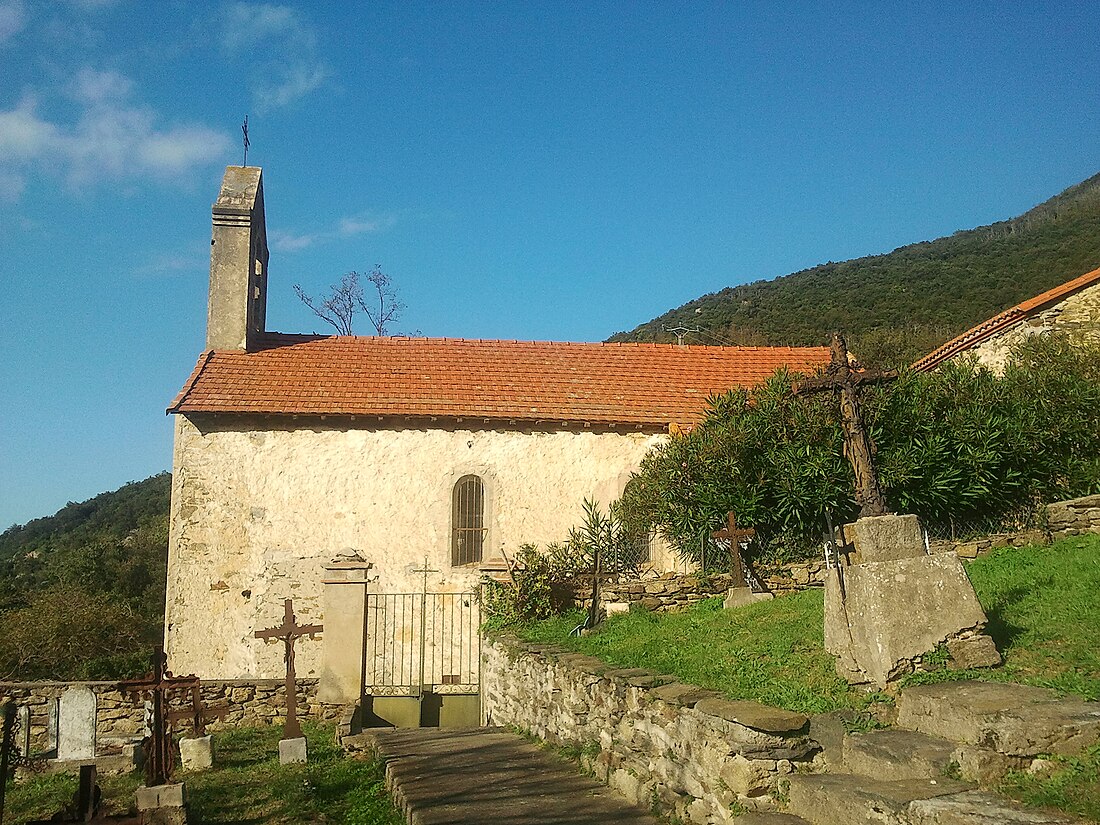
[(178, 401)]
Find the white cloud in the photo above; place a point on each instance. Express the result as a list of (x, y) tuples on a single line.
[(93, 87), (171, 264), (13, 16), (112, 138), (284, 240), (247, 24), (292, 67), (295, 82), (92, 5)]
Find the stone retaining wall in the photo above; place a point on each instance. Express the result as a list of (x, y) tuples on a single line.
[(1075, 517), (685, 750), (675, 591), (251, 702)]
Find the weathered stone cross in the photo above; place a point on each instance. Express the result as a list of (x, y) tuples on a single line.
[(289, 632), (158, 746), (735, 536), (841, 379)]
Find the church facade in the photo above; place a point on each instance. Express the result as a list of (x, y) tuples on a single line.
[(323, 468)]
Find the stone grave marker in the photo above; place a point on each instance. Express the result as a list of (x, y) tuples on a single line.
[(76, 716)]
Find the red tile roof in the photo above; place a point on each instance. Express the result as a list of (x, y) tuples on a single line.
[(1008, 318), (640, 384)]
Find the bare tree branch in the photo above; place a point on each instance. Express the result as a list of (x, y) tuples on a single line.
[(347, 298), (389, 308)]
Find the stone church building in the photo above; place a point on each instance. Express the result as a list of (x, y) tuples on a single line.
[(1072, 308), (330, 469)]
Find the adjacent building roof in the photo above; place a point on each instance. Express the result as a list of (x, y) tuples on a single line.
[(649, 385), (1008, 318)]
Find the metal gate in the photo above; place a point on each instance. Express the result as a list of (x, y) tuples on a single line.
[(422, 643)]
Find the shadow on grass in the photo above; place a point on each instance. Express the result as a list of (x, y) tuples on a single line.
[(1003, 632)]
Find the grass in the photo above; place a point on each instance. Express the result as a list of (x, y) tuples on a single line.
[(1072, 786), (1043, 606), (247, 785)]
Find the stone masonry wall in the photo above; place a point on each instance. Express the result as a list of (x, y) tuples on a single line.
[(1074, 517), (251, 702), (675, 591), (687, 751), (1078, 316)]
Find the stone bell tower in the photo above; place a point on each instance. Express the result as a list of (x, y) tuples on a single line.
[(237, 309)]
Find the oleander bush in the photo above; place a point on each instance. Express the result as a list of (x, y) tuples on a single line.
[(960, 445)]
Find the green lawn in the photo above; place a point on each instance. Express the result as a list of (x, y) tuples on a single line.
[(1043, 606), (247, 785)]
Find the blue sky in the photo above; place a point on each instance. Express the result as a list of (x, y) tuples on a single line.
[(535, 170)]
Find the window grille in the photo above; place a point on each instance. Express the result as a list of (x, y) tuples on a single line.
[(467, 521)]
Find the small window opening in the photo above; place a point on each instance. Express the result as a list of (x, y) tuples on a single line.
[(467, 521)]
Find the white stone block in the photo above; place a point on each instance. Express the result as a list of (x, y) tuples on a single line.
[(292, 751)]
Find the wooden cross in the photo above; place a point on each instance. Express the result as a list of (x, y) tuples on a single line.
[(197, 714), (841, 379), (157, 686), (736, 537), (289, 632)]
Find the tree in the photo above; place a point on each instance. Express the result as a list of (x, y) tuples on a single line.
[(348, 298)]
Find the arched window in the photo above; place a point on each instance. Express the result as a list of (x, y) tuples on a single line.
[(467, 521)]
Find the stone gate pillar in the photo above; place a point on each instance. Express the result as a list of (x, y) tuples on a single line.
[(345, 597)]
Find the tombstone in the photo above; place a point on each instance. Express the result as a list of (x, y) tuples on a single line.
[(888, 602), (76, 717), (23, 731), (51, 726)]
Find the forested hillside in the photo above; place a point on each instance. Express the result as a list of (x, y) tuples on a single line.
[(82, 591), (899, 306)]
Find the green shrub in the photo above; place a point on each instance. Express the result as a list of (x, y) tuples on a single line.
[(960, 445)]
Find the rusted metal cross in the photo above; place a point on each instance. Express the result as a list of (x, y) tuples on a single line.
[(288, 633), (841, 379), (157, 687), (197, 714), (736, 537)]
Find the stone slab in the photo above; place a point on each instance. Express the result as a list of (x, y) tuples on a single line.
[(980, 808), (976, 651), (897, 754), (292, 751), (1017, 720), (76, 717), (741, 596), (890, 612), (755, 715), (845, 799), (886, 538), (487, 775), (762, 818), (197, 754), (685, 696), (161, 796)]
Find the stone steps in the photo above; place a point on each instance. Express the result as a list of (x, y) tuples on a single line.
[(760, 818), (1014, 720), (979, 730), (848, 799), (898, 754)]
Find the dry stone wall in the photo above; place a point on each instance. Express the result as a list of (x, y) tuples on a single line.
[(119, 720), (687, 751), (675, 591)]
